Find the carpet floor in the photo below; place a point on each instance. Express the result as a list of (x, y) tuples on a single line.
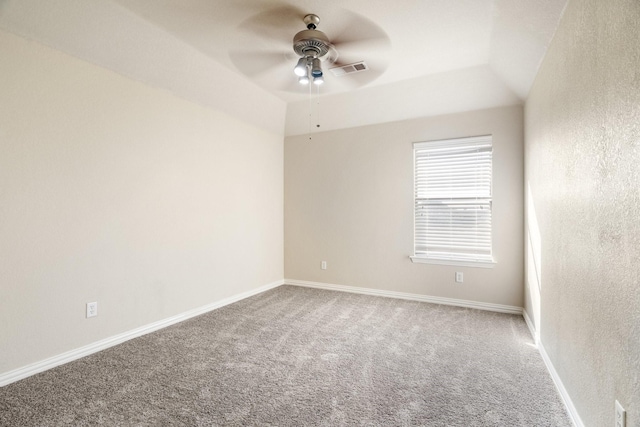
[(304, 357)]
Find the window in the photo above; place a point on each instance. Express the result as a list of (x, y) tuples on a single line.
[(453, 201)]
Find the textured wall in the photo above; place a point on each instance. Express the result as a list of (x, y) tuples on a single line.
[(349, 201), (582, 167), (117, 192)]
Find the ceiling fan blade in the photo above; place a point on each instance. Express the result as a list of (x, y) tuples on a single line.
[(363, 47), (270, 70), (357, 32), (356, 39), (278, 24), (255, 63)]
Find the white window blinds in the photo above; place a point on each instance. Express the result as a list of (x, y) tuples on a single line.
[(453, 199)]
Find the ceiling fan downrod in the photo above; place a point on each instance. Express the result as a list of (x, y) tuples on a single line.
[(311, 21)]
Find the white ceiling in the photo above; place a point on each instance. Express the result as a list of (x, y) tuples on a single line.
[(486, 48)]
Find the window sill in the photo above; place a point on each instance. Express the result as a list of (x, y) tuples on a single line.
[(462, 263)]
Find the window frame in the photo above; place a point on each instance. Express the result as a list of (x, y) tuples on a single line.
[(468, 259)]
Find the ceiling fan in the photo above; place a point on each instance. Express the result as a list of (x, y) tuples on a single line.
[(356, 45)]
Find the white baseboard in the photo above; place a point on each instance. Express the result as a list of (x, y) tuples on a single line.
[(564, 395), (531, 326), (52, 362), (571, 409), (413, 297)]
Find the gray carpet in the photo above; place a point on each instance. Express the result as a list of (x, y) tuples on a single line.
[(304, 357)]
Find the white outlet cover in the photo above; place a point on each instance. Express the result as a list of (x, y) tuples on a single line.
[(92, 309)]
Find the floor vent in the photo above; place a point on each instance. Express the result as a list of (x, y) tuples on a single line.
[(356, 67)]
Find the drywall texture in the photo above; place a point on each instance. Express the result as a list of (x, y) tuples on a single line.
[(116, 192), (349, 201), (583, 151)]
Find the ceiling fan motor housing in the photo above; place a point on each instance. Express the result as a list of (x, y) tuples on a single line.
[(311, 43)]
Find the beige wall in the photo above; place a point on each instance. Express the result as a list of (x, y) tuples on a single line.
[(349, 201), (116, 192), (582, 161)]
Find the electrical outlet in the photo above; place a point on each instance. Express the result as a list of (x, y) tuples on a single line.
[(621, 415), (459, 277), (92, 309), (323, 265)]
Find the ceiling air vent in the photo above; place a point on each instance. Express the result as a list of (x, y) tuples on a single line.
[(356, 67)]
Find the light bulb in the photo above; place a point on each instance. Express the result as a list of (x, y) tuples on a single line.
[(318, 80), (301, 67), (303, 80), (316, 68)]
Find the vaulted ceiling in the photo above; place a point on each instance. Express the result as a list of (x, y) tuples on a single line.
[(425, 57)]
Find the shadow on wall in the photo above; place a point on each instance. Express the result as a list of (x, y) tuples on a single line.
[(534, 262)]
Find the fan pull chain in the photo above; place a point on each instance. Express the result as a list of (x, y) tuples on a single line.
[(318, 107), (310, 112), (311, 109)]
